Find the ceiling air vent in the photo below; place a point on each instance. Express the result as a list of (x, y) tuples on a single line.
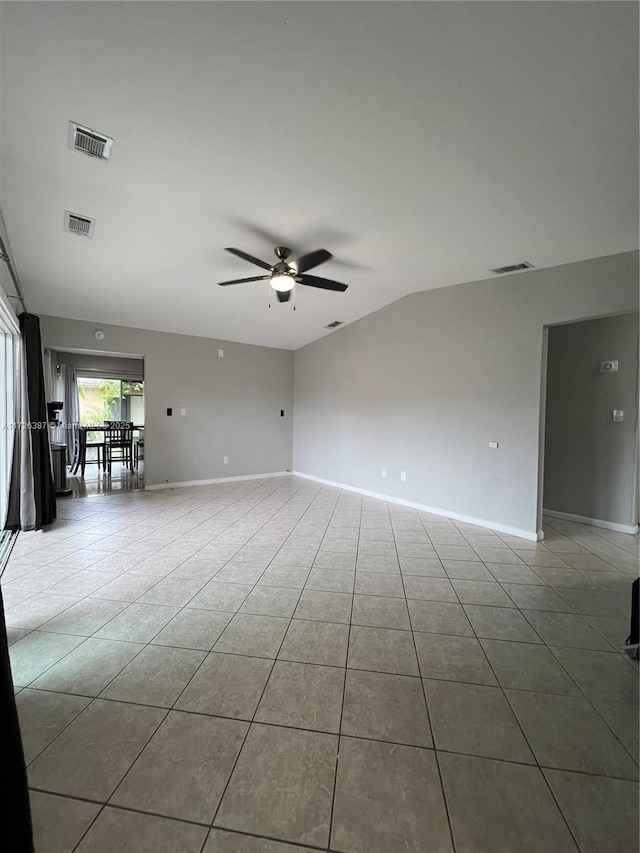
[(335, 324), (525, 265), (89, 141), (83, 226)]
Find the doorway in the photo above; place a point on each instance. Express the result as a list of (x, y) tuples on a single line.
[(590, 424), (101, 393)]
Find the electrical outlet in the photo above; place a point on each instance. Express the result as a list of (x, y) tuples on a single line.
[(493, 445), (617, 416), (183, 412), (403, 476), (225, 459)]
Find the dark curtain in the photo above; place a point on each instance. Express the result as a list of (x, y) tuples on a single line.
[(40, 493), (15, 813)]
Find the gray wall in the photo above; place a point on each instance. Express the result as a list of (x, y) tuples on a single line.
[(233, 403), (426, 383), (590, 462)]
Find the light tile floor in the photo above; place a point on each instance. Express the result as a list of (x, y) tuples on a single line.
[(274, 666), (97, 482)]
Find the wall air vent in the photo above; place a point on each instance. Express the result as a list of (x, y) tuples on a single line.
[(83, 226), (335, 324), (525, 265), (89, 141)]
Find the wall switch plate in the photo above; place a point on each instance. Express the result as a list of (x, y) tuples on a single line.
[(183, 412), (281, 413), (617, 416), (383, 472), (403, 476), (169, 412), (220, 353), (493, 444), (608, 366), (225, 459)]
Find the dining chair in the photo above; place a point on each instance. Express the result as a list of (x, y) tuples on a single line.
[(138, 448), (118, 444), (80, 460)]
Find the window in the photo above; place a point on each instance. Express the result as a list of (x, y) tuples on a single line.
[(110, 400)]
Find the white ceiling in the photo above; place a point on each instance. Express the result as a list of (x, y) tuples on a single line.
[(421, 143)]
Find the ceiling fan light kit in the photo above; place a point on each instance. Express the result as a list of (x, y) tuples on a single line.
[(282, 282), (283, 276)]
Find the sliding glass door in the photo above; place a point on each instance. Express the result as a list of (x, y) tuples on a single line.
[(110, 400)]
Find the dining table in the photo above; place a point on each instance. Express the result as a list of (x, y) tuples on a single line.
[(80, 446)]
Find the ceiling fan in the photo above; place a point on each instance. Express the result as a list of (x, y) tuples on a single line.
[(283, 276)]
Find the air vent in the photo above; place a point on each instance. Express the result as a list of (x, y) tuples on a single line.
[(525, 265), (83, 226), (335, 324), (89, 141)]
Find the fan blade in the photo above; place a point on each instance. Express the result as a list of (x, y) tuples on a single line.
[(283, 295), (243, 280), (311, 260), (250, 258), (323, 283)]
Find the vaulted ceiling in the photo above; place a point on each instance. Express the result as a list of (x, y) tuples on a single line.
[(422, 143)]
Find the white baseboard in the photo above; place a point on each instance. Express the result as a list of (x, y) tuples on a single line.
[(467, 519), (594, 522), (216, 480)]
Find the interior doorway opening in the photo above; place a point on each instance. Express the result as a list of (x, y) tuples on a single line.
[(102, 420), (589, 423)]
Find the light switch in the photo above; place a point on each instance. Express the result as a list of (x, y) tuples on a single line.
[(403, 476), (617, 416), (183, 412), (220, 353), (383, 472), (225, 460), (493, 444)]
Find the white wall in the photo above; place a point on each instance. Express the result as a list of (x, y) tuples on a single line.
[(424, 384), (233, 403), (590, 461)]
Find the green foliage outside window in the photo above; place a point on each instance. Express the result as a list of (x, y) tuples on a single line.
[(112, 405)]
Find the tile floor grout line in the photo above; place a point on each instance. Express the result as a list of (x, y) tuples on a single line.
[(88, 828), (533, 753), (90, 595), (149, 643), (549, 524), (433, 748), (303, 845), (325, 666), (529, 747), (584, 695), (344, 682), (432, 733), (235, 613), (64, 728), (251, 722), (504, 693)]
